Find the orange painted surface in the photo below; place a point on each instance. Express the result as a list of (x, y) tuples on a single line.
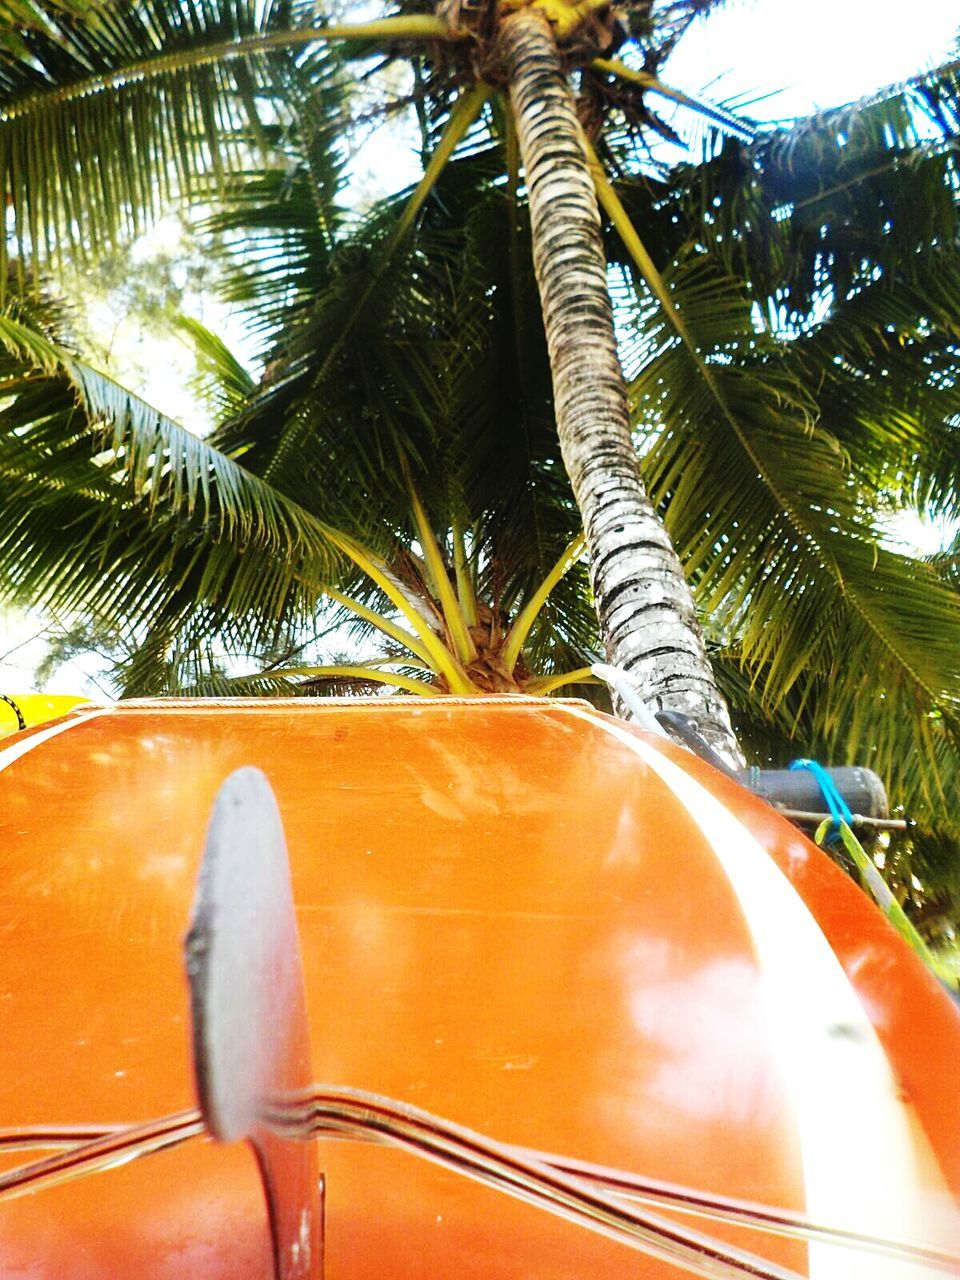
[(506, 918)]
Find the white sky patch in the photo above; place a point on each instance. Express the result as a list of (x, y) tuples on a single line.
[(23, 647), (912, 534), (813, 55)]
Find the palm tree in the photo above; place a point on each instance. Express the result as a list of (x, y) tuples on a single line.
[(152, 81), (171, 575), (774, 481), (765, 504)]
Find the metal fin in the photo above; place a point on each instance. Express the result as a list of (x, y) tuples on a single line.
[(251, 1045)]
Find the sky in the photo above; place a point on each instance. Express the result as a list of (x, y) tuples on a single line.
[(811, 55), (776, 60)]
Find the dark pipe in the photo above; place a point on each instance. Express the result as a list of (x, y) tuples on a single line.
[(861, 788), (795, 789)]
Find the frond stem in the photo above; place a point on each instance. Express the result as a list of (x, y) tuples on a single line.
[(547, 684), (528, 616), (465, 591), (440, 581), (412, 685), (415, 27), (381, 623), (709, 110), (467, 108)]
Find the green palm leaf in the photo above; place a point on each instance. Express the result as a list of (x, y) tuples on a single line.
[(223, 381), (85, 464), (117, 107), (768, 516)]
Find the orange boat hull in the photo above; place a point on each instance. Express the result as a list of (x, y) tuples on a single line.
[(521, 916)]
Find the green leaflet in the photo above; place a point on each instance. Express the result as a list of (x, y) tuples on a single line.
[(876, 886)]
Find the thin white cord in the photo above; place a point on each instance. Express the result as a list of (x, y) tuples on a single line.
[(621, 683)]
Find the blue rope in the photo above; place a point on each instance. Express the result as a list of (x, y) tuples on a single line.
[(839, 809)]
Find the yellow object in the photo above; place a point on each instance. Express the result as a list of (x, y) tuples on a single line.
[(565, 16), (34, 708)]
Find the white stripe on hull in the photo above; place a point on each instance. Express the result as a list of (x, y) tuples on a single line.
[(17, 749), (867, 1163)]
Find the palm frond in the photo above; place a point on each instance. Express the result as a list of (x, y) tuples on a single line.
[(114, 503), (365, 672), (822, 208), (722, 119), (106, 111), (767, 515), (448, 359), (90, 146), (223, 381)]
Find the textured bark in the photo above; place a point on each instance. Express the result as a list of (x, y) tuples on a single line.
[(646, 610)]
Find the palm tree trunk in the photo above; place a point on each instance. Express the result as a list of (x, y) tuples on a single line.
[(646, 610)]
